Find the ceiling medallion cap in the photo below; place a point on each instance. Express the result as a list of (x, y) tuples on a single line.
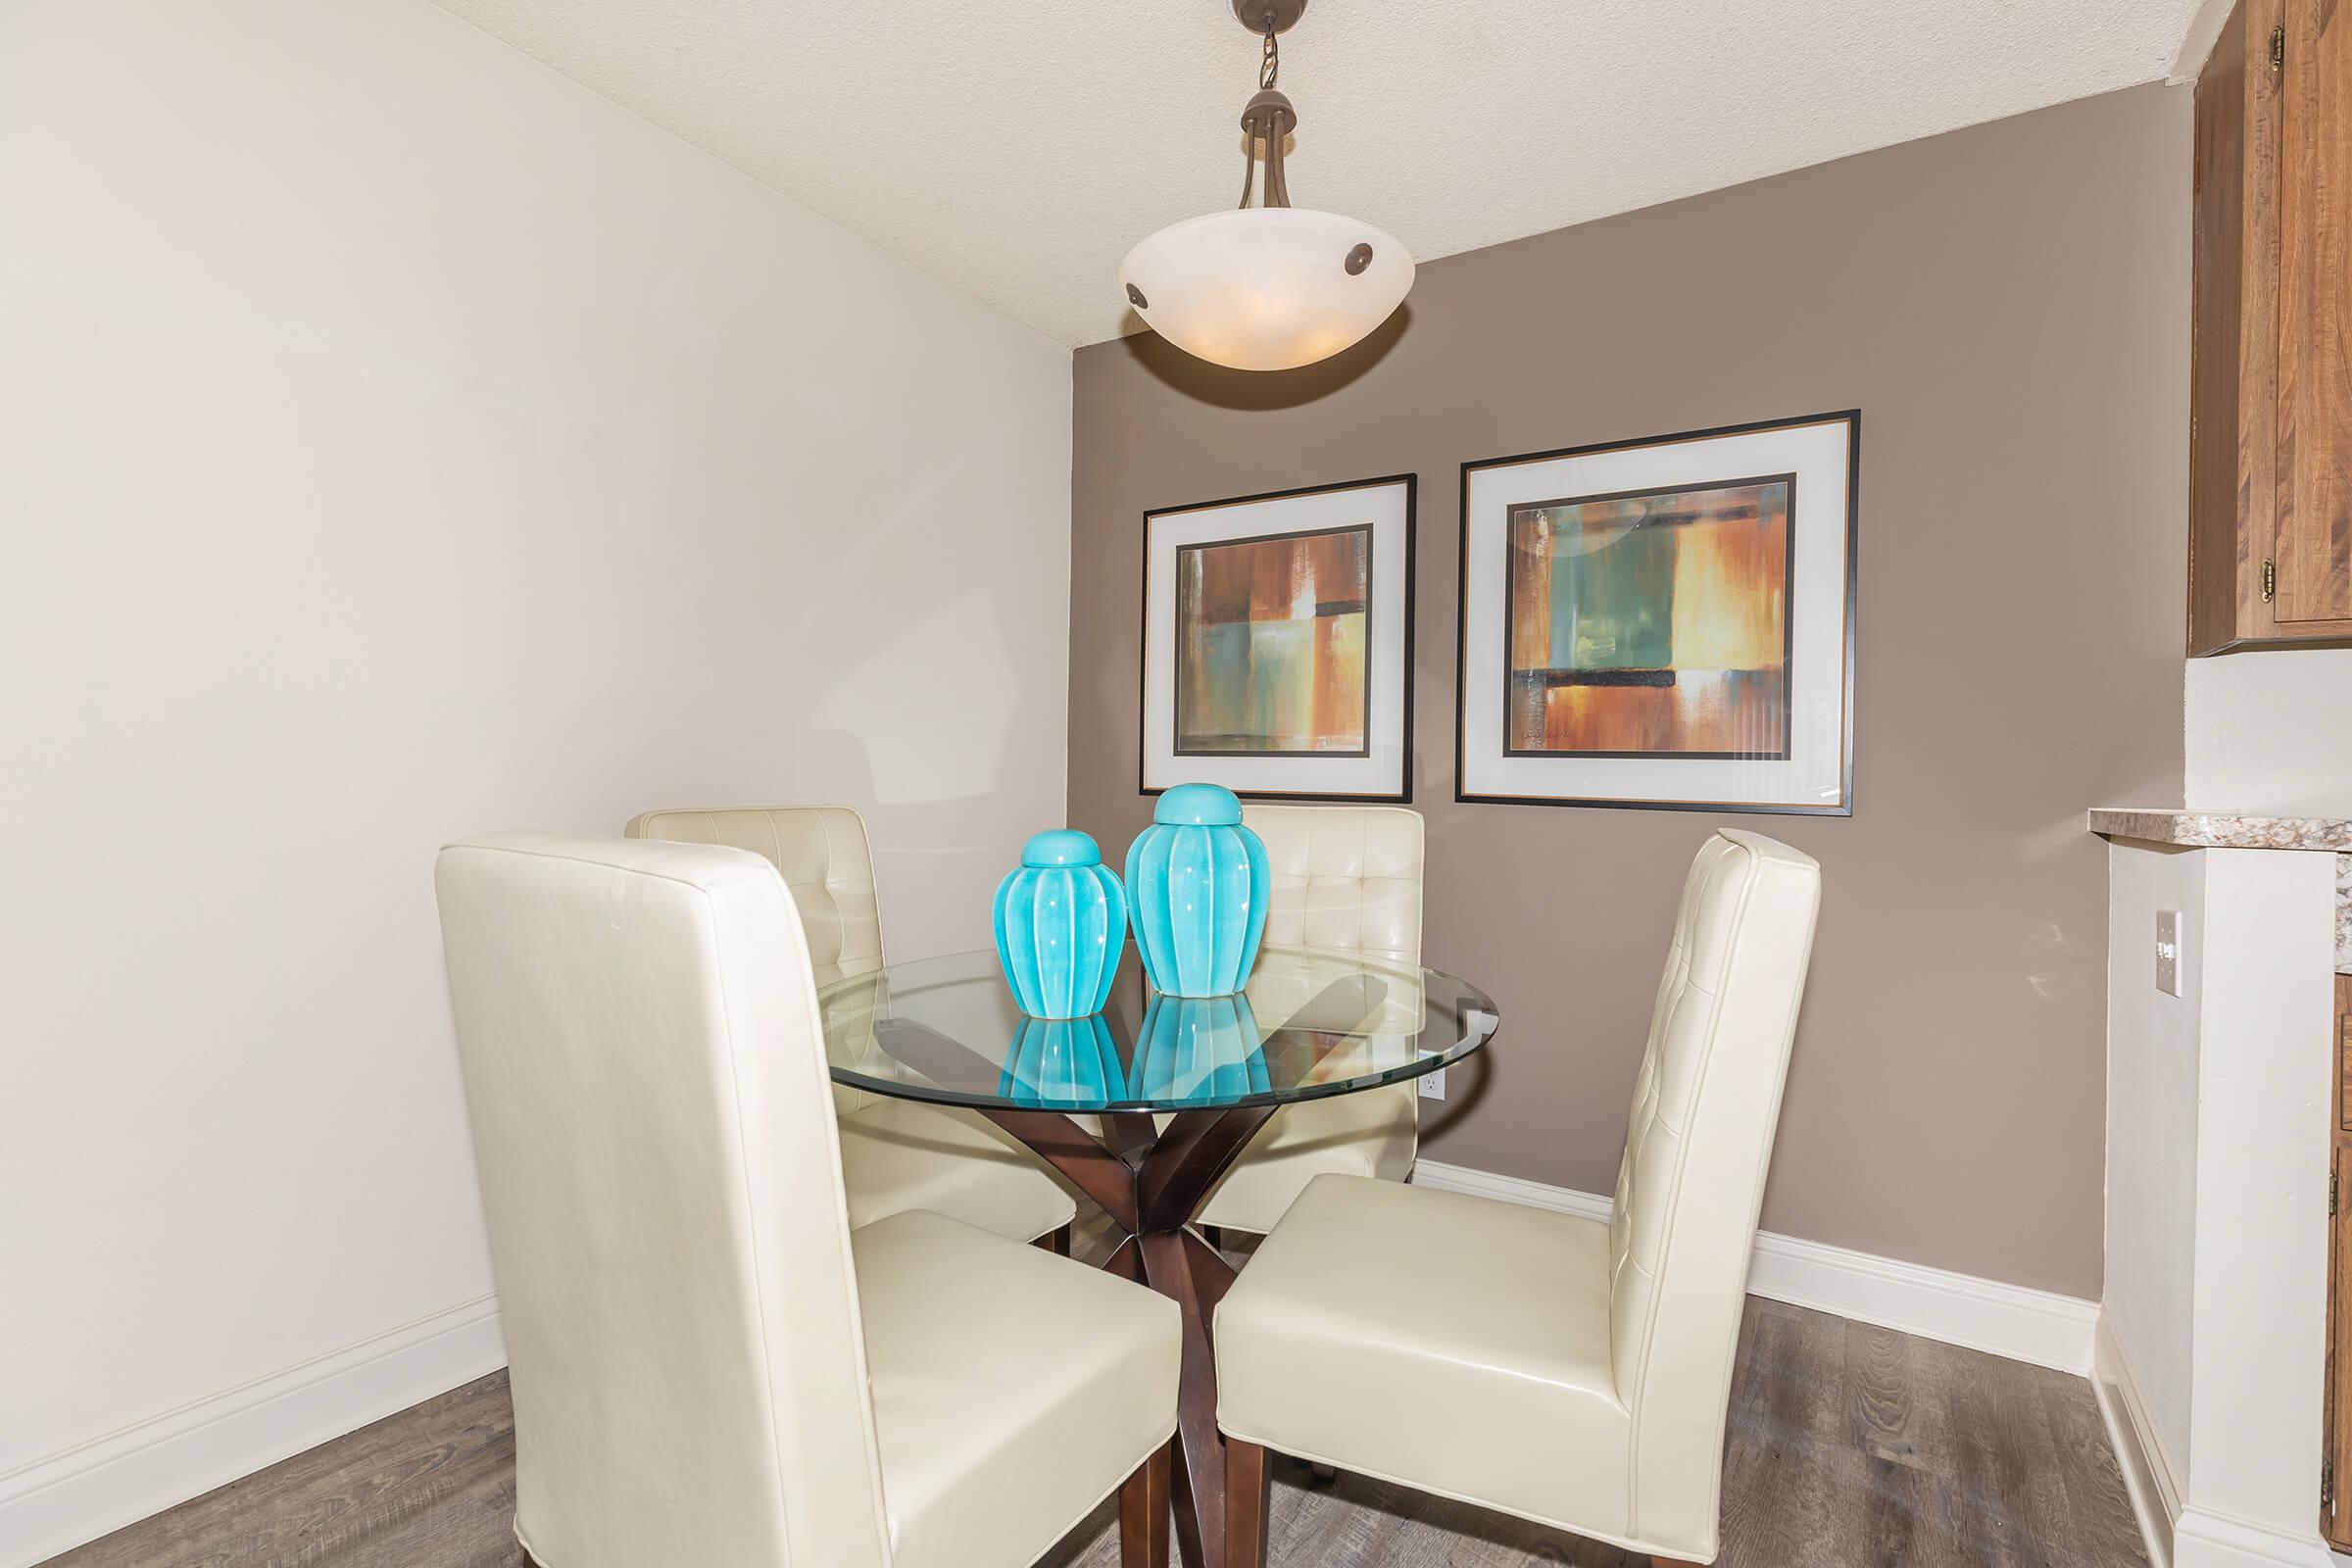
[(1267, 288), (1258, 15)]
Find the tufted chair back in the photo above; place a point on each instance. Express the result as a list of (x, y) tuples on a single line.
[(821, 852), (826, 862), (637, 1027), (1706, 1106), (1345, 878)]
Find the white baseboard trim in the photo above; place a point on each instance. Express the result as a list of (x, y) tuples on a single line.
[(1511, 1190), (2150, 1476), (2205, 1538), (2008, 1320), (56, 1503)]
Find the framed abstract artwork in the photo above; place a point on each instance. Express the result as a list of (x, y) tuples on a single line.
[(1278, 635), (1665, 623)]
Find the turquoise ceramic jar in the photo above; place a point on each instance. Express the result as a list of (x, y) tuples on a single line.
[(1198, 881), (1200, 1050), (1060, 922), (1063, 1063)]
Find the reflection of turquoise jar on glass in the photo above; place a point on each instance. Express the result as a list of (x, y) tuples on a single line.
[(1063, 1063), (1200, 1050), (1060, 920), (1199, 882)]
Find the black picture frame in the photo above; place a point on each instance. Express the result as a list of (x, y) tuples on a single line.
[(1403, 794), (1852, 419)]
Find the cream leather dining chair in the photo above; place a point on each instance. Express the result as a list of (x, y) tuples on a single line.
[(1345, 878), (896, 1155), (1570, 1371), (709, 1366)]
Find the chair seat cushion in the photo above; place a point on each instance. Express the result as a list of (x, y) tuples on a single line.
[(1454, 1344), (1370, 1132), (1012, 1390), (898, 1155)]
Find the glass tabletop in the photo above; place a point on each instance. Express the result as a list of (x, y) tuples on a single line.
[(1309, 1024)]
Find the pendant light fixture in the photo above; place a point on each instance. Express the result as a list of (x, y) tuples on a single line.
[(1273, 286)]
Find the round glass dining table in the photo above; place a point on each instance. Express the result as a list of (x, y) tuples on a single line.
[(1145, 1105)]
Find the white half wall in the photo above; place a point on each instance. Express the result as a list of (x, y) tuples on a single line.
[(2270, 732), (2264, 1139), (2212, 1339), (2152, 1151), (398, 441)]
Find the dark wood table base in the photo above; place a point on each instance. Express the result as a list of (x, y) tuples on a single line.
[(1151, 1182)]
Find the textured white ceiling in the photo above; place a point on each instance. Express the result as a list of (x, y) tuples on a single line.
[(1016, 148)]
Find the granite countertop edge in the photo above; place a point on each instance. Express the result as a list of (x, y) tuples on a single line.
[(2237, 830), (2222, 830)]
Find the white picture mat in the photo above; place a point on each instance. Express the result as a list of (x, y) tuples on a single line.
[(1385, 508), (1813, 775)]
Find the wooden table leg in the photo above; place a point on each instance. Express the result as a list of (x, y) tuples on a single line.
[(1172, 1182), (1177, 1271), (1151, 1200)]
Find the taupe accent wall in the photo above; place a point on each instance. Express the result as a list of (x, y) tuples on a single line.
[(2008, 305)]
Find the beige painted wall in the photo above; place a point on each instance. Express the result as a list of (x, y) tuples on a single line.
[(2008, 306), (397, 441)]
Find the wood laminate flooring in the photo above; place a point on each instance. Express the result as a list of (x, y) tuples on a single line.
[(1850, 1447)]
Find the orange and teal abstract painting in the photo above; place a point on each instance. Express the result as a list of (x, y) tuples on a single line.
[(1652, 623), (1270, 645)]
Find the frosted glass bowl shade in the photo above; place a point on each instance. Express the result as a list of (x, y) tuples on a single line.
[(1265, 289)]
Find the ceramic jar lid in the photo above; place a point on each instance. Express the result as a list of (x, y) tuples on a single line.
[(1061, 845), (1198, 805)]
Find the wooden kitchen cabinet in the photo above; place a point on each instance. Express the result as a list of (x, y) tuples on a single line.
[(2269, 556)]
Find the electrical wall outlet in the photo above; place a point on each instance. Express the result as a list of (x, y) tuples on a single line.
[(1433, 1084), (2168, 951)]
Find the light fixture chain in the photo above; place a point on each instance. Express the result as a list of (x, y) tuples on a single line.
[(1269, 70)]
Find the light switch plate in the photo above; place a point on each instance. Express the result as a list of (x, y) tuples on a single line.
[(1433, 1084), (2168, 951)]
